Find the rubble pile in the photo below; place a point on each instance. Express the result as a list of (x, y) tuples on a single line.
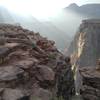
[(90, 89), (27, 63)]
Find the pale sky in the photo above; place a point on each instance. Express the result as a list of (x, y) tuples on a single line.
[(61, 3), (81, 2), (41, 8)]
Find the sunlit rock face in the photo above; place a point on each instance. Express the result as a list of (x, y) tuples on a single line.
[(86, 44), (85, 48)]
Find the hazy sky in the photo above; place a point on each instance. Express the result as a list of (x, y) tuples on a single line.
[(41, 8), (80, 2), (60, 3)]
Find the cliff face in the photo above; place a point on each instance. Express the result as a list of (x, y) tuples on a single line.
[(85, 48), (86, 44)]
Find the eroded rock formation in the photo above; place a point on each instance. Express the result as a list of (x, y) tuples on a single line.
[(27, 63)]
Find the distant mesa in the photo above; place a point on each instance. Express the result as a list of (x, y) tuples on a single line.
[(73, 6)]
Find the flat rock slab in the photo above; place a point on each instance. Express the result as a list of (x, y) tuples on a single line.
[(25, 64), (9, 73), (11, 45)]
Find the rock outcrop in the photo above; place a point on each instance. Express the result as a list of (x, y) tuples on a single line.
[(90, 89), (27, 63)]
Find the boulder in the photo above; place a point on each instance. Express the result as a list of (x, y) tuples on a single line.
[(9, 73), (25, 64), (45, 73), (40, 94), (12, 94)]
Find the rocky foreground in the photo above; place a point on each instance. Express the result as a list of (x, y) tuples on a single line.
[(27, 63), (90, 89)]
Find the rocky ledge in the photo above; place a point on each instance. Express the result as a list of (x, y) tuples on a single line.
[(90, 89), (27, 63)]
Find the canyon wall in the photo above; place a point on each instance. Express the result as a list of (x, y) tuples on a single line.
[(85, 48)]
